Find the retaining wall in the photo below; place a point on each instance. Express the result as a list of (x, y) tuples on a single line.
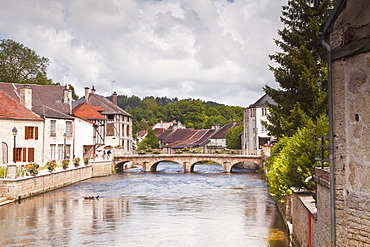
[(28, 186)]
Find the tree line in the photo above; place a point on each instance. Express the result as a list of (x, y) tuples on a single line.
[(193, 113)]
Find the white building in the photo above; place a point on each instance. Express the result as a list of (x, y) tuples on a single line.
[(21, 133), (255, 134)]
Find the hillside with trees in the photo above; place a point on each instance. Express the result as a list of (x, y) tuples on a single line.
[(192, 113)]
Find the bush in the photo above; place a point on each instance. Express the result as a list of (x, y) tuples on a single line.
[(33, 168), (293, 160)]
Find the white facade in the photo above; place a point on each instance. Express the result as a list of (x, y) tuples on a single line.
[(255, 134), (29, 149), (58, 140), (84, 135)]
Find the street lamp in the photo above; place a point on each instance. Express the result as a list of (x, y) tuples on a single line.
[(15, 131), (65, 146)]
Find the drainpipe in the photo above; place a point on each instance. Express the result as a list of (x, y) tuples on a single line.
[(331, 142)]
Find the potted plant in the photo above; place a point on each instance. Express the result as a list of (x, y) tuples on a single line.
[(76, 161), (65, 164), (51, 165), (33, 169), (86, 160)]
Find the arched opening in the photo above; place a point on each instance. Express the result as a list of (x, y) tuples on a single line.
[(129, 166), (243, 167), (167, 166), (206, 166)]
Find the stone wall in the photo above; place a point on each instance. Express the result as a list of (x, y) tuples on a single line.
[(321, 231), (350, 42), (303, 218), (28, 186)]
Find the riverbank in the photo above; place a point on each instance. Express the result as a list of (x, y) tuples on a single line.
[(22, 187)]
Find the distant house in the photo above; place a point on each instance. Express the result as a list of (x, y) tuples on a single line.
[(29, 128), (116, 130), (218, 139), (255, 133), (159, 128), (174, 139)]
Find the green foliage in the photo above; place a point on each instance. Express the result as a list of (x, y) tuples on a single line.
[(233, 139), (293, 159), (20, 64), (195, 114), (150, 141), (302, 96)]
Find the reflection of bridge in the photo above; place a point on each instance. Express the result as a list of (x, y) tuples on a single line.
[(187, 161)]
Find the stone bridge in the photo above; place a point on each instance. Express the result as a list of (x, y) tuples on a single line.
[(149, 162)]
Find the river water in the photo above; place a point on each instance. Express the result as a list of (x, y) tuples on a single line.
[(165, 208)]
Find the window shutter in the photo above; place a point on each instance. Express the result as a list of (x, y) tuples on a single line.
[(24, 153), (31, 154), (36, 133)]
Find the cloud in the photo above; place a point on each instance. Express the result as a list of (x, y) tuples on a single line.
[(212, 49)]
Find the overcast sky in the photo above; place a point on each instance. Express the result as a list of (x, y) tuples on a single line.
[(214, 50)]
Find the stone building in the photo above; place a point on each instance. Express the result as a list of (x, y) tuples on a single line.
[(348, 28)]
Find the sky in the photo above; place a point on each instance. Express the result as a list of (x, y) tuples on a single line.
[(212, 50)]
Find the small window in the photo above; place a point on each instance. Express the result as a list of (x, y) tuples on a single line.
[(53, 128), (69, 128), (110, 129), (31, 132)]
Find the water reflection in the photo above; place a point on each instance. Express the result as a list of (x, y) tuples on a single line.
[(149, 209)]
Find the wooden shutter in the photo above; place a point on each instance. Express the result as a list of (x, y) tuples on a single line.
[(36, 133), (31, 154)]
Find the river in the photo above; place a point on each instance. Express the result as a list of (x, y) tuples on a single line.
[(164, 208)]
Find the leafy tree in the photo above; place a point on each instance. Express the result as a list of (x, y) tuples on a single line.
[(150, 141), (233, 139), (20, 64), (293, 159), (302, 60)]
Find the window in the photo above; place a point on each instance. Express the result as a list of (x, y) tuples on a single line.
[(110, 129), (52, 151), (69, 128), (128, 130), (264, 111), (53, 128), (25, 154), (31, 132), (60, 151)]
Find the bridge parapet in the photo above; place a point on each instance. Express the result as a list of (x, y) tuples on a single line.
[(149, 162)]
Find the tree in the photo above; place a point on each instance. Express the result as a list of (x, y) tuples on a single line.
[(302, 96), (233, 139), (20, 64), (293, 159), (150, 141)]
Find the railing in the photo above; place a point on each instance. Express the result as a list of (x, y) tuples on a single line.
[(186, 151), (322, 150)]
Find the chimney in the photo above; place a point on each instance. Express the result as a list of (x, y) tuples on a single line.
[(26, 97), (93, 90), (65, 96), (86, 94), (114, 98)]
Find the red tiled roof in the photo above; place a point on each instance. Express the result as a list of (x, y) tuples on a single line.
[(86, 111), (11, 109)]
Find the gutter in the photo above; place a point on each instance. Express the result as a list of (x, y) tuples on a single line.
[(331, 143)]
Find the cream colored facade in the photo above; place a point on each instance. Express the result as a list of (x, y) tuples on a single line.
[(7, 141)]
